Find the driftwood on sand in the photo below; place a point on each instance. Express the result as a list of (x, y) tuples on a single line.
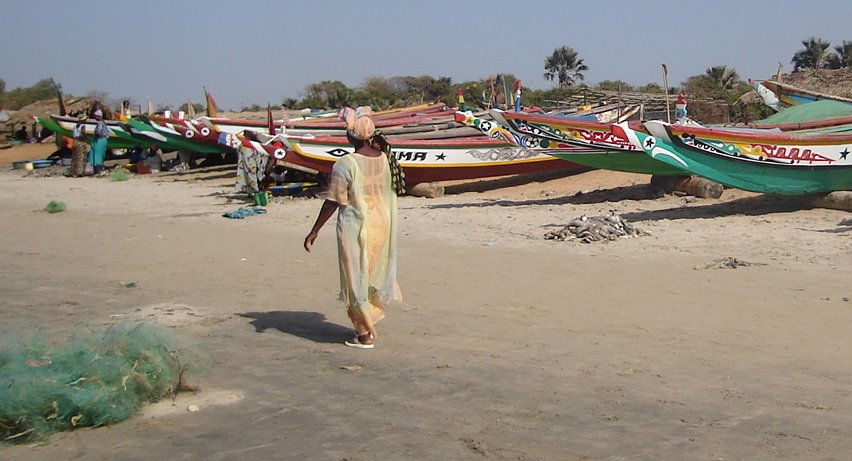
[(691, 185), (426, 189), (839, 200)]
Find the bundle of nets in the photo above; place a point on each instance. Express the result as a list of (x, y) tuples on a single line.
[(595, 229), (94, 379)]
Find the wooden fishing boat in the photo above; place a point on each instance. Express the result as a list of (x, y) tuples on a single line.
[(119, 138), (584, 142), (382, 120), (177, 134), (432, 160), (781, 95), (778, 163), (422, 160)]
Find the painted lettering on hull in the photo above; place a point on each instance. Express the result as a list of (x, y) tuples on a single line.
[(410, 156), (794, 154)]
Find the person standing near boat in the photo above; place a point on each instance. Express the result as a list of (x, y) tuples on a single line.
[(251, 167), (680, 106), (99, 142), (79, 149), (361, 190)]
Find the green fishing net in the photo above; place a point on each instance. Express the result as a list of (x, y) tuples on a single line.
[(55, 207), (119, 174), (94, 379), (818, 110)]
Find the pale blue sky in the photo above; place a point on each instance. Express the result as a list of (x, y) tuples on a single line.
[(253, 51)]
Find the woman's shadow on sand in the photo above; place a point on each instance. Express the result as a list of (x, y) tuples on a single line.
[(309, 325)]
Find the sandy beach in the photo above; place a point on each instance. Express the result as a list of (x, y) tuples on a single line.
[(507, 347)]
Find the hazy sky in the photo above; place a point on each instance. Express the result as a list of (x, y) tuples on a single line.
[(253, 52)]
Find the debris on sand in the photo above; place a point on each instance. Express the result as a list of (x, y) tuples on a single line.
[(595, 229), (55, 207), (727, 262)]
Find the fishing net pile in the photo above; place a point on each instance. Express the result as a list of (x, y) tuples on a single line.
[(595, 229), (727, 262), (95, 379)]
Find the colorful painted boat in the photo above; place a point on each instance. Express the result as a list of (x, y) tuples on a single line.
[(400, 117), (177, 134), (777, 163), (587, 143), (434, 159), (422, 160), (119, 138), (780, 95)]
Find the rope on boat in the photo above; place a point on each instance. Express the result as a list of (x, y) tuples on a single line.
[(595, 229)]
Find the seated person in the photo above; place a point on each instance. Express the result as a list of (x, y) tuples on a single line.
[(21, 134), (275, 175), (153, 158), (137, 154)]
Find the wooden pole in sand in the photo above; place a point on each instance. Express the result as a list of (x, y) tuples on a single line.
[(666, 85)]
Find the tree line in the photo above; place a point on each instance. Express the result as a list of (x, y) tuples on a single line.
[(20, 97), (564, 67)]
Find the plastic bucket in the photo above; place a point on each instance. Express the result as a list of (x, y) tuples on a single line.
[(261, 199)]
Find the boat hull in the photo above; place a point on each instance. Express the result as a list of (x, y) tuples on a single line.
[(119, 138), (433, 160), (585, 143), (175, 136), (789, 95), (782, 164)]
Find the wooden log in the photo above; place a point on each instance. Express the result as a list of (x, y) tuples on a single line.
[(691, 185), (426, 189), (838, 200), (700, 187)]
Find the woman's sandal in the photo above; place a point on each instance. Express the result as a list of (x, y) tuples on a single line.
[(364, 341)]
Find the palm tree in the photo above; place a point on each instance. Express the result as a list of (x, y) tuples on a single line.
[(723, 76), (565, 66), (843, 58), (814, 56)]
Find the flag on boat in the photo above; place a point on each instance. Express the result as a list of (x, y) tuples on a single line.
[(269, 122), (212, 110)]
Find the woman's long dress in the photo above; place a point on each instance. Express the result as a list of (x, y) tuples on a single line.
[(366, 236)]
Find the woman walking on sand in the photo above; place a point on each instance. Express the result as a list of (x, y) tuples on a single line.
[(361, 190)]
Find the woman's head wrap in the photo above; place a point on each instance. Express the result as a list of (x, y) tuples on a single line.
[(359, 124)]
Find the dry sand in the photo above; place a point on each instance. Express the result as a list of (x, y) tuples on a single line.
[(508, 346)]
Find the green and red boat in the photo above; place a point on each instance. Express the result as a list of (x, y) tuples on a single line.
[(177, 134)]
